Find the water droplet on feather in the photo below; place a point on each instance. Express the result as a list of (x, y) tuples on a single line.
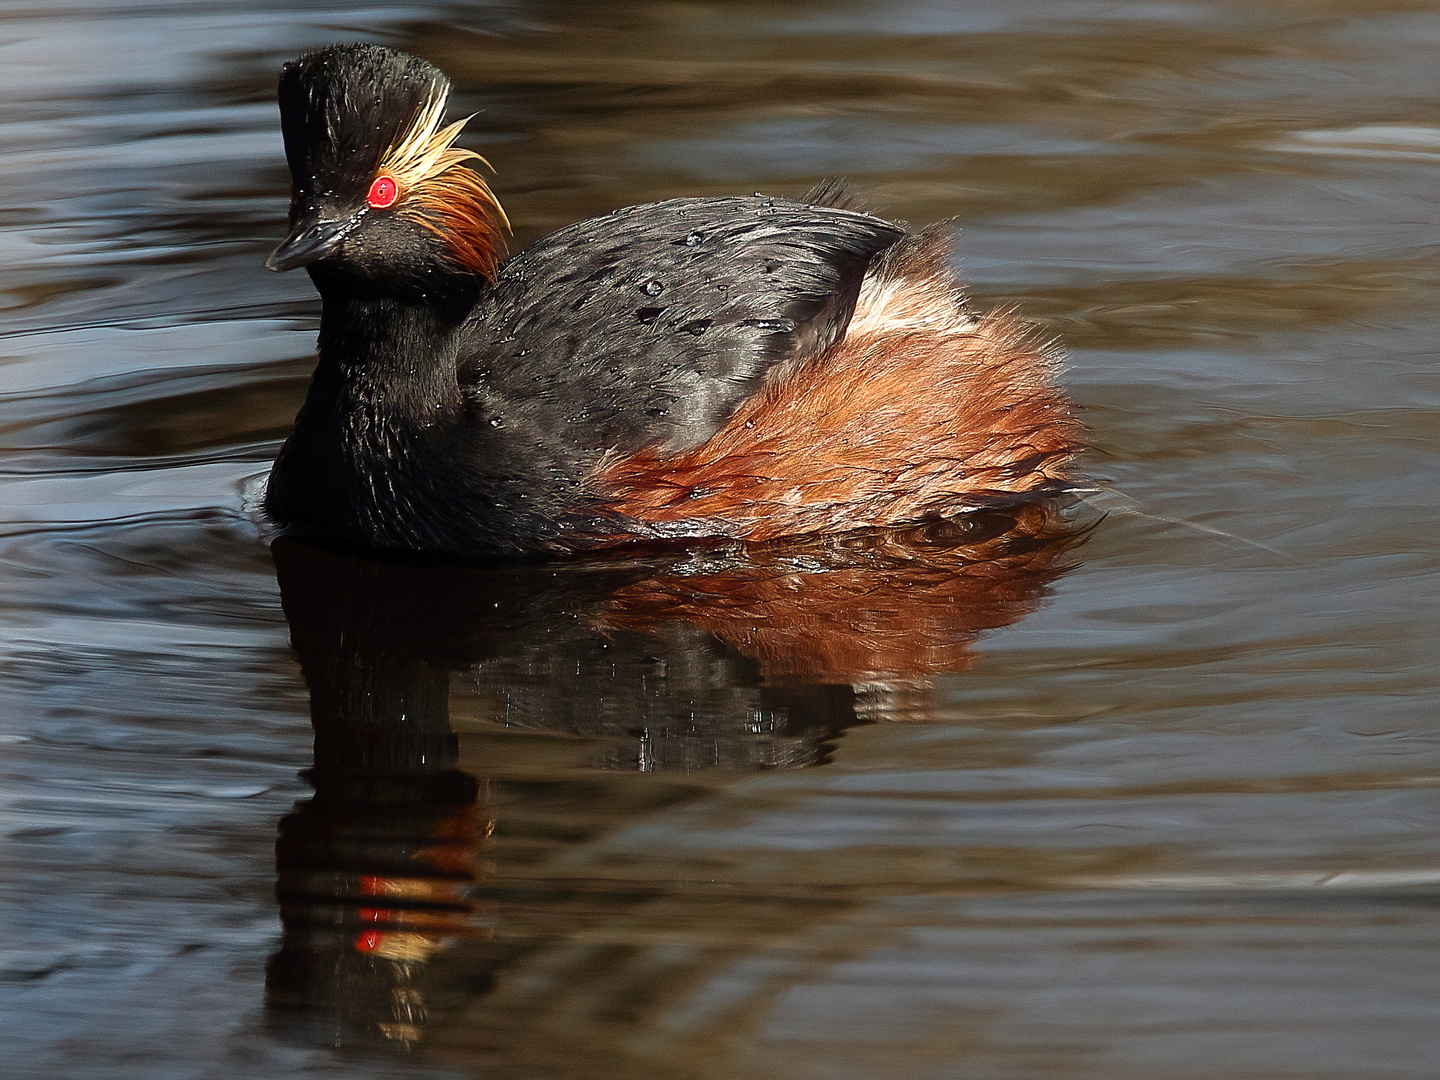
[(774, 326)]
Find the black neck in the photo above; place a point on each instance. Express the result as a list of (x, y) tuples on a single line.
[(395, 351), (392, 359), (385, 389)]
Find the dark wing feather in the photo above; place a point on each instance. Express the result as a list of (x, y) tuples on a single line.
[(649, 326)]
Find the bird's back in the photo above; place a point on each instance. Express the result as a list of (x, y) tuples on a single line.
[(649, 326)]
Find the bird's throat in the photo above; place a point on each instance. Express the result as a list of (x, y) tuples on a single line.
[(389, 358)]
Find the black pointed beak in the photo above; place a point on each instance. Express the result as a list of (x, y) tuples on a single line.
[(309, 241)]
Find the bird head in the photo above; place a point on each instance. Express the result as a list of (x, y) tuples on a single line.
[(380, 191)]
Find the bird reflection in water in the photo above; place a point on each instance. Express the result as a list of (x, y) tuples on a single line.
[(718, 658)]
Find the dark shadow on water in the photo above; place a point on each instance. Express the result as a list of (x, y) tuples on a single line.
[(725, 660)]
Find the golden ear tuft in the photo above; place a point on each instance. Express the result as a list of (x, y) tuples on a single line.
[(452, 202)]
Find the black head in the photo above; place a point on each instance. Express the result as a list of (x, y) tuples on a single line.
[(380, 193)]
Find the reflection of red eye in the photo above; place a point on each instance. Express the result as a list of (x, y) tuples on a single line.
[(383, 192)]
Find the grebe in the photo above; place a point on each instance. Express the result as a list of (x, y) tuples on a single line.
[(741, 368)]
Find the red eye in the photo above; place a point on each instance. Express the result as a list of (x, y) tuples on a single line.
[(383, 192)]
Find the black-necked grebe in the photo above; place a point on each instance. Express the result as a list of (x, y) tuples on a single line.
[(740, 368)]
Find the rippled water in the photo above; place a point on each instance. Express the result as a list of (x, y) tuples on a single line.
[(1161, 803)]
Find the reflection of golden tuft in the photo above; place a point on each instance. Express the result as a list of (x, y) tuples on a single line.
[(404, 1033), (894, 603), (372, 885), (405, 946)]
